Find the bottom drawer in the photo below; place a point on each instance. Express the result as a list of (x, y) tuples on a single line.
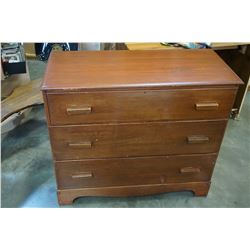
[(134, 171)]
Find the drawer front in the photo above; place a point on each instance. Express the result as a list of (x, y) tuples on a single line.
[(102, 107), (126, 140), (134, 171)]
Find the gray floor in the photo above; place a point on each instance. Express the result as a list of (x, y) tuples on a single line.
[(28, 178)]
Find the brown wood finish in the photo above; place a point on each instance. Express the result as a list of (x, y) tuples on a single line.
[(101, 107), (127, 123), (24, 96), (117, 69), (127, 140), (159, 46), (67, 196), (134, 171)]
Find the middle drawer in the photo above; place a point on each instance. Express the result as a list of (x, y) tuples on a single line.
[(136, 139)]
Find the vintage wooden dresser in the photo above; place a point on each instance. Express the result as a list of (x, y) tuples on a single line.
[(136, 122)]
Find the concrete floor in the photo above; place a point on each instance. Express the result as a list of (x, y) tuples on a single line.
[(28, 177)]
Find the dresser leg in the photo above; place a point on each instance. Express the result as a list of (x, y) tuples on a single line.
[(201, 189), (65, 198)]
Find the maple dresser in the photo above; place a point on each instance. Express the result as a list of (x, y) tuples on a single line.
[(136, 122)]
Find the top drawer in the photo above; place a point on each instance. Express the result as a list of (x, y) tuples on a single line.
[(148, 105)]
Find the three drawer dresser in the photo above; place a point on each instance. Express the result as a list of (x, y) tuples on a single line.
[(136, 122)]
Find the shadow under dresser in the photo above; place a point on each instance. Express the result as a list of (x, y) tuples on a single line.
[(136, 122)]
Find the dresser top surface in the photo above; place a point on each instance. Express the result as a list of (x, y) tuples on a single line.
[(118, 69)]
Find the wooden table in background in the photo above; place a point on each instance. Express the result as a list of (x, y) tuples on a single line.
[(148, 46), (158, 46)]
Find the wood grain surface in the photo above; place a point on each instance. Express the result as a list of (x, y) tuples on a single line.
[(124, 106), (67, 196), (139, 139), (85, 70), (134, 171), (22, 97)]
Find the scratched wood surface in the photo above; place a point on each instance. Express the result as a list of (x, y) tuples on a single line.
[(21, 98)]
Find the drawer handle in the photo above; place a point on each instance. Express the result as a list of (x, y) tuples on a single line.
[(79, 111), (197, 139), (86, 144), (82, 175), (189, 170), (206, 106)]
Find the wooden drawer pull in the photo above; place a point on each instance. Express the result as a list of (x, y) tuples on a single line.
[(82, 175), (79, 111), (86, 144), (189, 170), (207, 106), (197, 139)]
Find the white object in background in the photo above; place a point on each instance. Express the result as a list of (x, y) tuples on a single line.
[(90, 46)]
